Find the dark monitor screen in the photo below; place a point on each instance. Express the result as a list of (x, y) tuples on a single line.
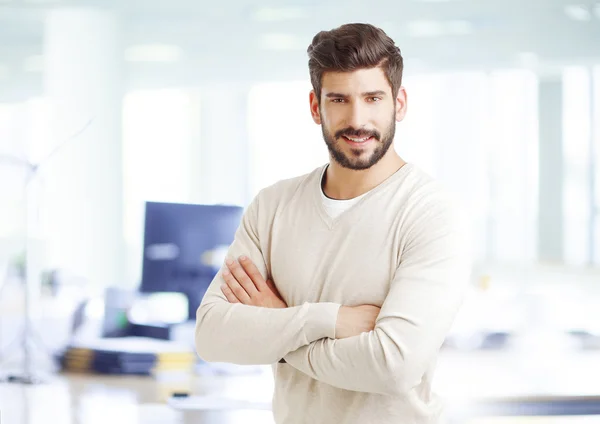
[(184, 247)]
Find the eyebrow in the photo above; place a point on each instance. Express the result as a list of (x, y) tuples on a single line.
[(366, 94)]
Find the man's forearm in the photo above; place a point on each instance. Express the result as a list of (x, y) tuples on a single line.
[(250, 335), (357, 363), (390, 360)]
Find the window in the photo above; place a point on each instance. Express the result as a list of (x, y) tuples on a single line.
[(12, 176), (157, 133), (477, 133), (24, 129), (284, 140)]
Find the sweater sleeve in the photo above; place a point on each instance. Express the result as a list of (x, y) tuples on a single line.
[(424, 298), (249, 335)]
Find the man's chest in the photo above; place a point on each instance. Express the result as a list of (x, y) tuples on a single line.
[(350, 264)]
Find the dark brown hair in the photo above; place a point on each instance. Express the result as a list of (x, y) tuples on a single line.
[(351, 47)]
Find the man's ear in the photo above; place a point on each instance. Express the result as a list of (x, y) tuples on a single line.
[(314, 107), (401, 104)]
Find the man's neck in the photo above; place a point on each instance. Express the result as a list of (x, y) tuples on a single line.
[(343, 183)]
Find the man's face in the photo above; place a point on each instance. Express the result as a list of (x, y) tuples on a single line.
[(357, 116)]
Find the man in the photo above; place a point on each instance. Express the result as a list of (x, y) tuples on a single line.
[(317, 256)]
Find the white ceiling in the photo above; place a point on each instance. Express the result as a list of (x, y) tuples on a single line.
[(267, 40)]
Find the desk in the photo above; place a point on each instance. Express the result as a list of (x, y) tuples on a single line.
[(93, 399), (90, 399)]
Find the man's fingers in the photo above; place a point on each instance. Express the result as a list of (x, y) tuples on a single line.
[(253, 273), (235, 287), (229, 294), (241, 277)]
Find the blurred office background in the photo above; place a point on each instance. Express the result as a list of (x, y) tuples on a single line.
[(121, 103)]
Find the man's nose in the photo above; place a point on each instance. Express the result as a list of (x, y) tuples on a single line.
[(358, 116)]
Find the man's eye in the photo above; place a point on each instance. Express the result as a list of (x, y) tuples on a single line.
[(337, 100), (374, 99)]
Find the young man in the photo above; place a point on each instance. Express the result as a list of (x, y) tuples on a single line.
[(346, 279)]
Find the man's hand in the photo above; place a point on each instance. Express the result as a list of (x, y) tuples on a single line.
[(354, 320), (244, 284)]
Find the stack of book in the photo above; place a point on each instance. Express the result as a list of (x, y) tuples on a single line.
[(128, 355)]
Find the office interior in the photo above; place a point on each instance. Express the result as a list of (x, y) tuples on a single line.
[(127, 125)]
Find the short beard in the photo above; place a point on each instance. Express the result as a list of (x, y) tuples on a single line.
[(345, 161)]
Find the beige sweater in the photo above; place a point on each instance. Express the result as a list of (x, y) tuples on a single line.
[(402, 247)]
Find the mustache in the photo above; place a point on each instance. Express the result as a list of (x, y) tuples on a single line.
[(351, 132)]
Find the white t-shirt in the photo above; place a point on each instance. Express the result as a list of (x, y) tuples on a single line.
[(336, 207)]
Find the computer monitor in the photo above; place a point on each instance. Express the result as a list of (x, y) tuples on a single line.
[(184, 247)]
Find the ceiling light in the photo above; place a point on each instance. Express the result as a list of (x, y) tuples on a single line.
[(281, 42), (422, 29), (272, 14), (578, 12), (34, 63), (425, 29), (154, 53), (459, 27)]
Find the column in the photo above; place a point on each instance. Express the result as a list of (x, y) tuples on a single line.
[(456, 128), (595, 171), (512, 166), (577, 165), (220, 152), (551, 169), (82, 208)]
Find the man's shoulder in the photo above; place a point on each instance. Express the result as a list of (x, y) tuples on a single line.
[(428, 195), (285, 189), (422, 188)]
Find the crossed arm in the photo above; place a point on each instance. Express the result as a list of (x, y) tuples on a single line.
[(249, 335), (392, 357)]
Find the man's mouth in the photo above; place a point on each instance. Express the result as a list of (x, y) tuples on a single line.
[(357, 140)]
